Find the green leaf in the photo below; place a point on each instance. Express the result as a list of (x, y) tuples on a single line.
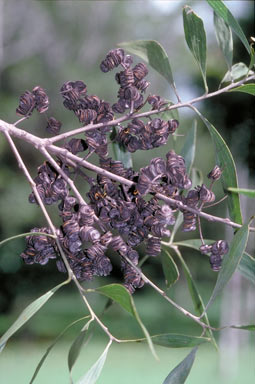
[(250, 327), (180, 373), (152, 53), (220, 8), (120, 152), (93, 374), (195, 295), (247, 263), (173, 340), (51, 346), (28, 312), (224, 38), (246, 192), (196, 39), (226, 162), (169, 268), (230, 261), (75, 348), (246, 88), (247, 267), (238, 71), (188, 150), (120, 295), (196, 177)]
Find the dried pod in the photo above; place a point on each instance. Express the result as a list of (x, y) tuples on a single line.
[(76, 145), (153, 247), (86, 215), (88, 233), (215, 173), (205, 194), (156, 101), (114, 58), (53, 125), (41, 99), (140, 71), (221, 247), (26, 104), (205, 249), (125, 78), (189, 221), (215, 261)]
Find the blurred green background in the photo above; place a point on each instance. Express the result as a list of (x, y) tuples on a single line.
[(47, 43)]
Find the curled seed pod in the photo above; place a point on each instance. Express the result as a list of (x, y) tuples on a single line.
[(76, 145), (156, 101), (165, 215), (53, 125), (131, 93), (205, 194), (41, 99), (158, 167), (153, 247), (142, 85), (120, 106), (114, 58), (69, 203), (176, 170), (215, 173), (205, 249), (215, 261), (86, 116), (189, 221), (140, 71), (86, 215), (71, 227), (102, 266), (119, 245), (173, 125), (106, 238), (26, 104), (96, 250), (125, 78), (88, 233), (221, 247), (159, 231), (132, 278), (128, 61)]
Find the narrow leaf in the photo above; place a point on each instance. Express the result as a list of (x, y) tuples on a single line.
[(238, 71), (152, 53), (120, 295), (230, 261), (120, 152), (220, 8), (75, 348), (169, 268), (196, 39), (195, 295), (27, 313), (180, 373), (51, 346), (250, 327), (224, 38), (188, 150), (93, 374), (246, 266), (173, 340), (226, 162), (246, 88)]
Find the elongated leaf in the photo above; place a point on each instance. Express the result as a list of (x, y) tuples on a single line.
[(220, 8), (247, 263), (238, 71), (247, 267), (93, 374), (173, 340), (246, 192), (196, 177), (224, 38), (120, 152), (226, 162), (152, 53), (180, 373), (188, 150), (51, 346), (120, 295), (75, 348), (230, 261), (250, 327), (246, 88), (169, 268), (196, 39), (195, 295), (28, 312)]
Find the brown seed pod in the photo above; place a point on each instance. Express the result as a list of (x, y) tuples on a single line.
[(215, 173), (26, 104), (41, 99), (53, 125)]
